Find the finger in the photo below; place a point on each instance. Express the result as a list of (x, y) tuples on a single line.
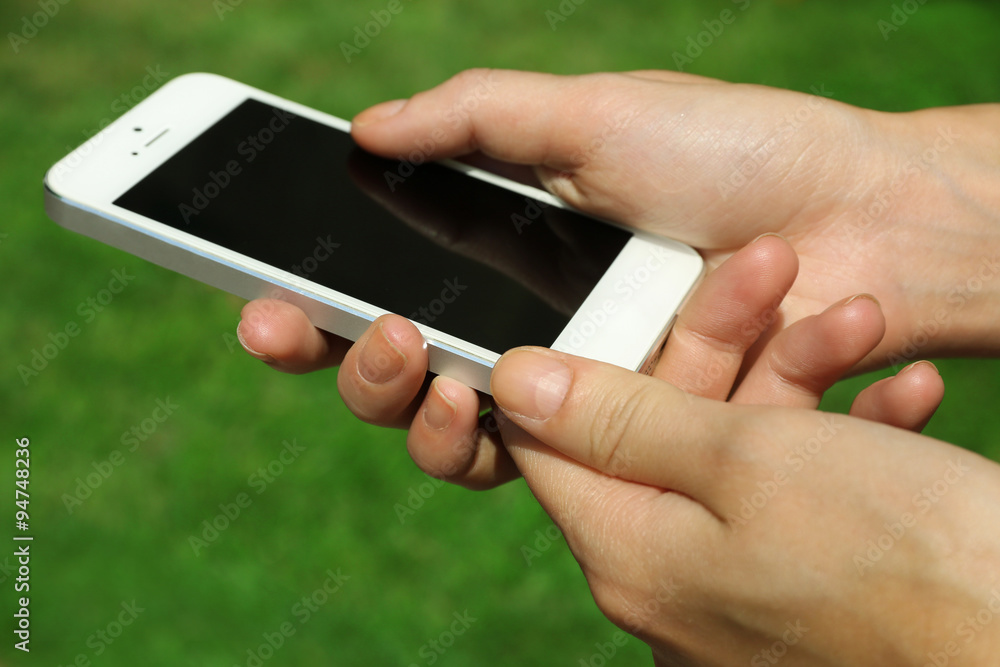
[(727, 314), (280, 335), (519, 117), (799, 364), (450, 441), (908, 400), (623, 424), (384, 372)]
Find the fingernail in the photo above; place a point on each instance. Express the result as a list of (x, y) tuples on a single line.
[(379, 112), (919, 363), (380, 360), (530, 384), (765, 234), (854, 298), (439, 410), (267, 358)]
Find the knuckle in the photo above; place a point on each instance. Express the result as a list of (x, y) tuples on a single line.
[(746, 449), (472, 77), (617, 417)]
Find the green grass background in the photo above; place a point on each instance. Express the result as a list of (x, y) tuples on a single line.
[(168, 336)]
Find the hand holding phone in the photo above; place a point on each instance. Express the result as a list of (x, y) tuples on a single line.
[(382, 381)]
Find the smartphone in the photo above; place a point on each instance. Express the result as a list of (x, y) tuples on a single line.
[(263, 197)]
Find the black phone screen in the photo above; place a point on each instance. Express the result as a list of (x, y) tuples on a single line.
[(472, 259)]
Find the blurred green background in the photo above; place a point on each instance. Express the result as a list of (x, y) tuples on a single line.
[(170, 339)]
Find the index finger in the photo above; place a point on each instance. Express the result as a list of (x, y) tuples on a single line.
[(519, 117)]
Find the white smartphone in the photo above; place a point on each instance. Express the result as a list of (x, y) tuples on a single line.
[(263, 197)]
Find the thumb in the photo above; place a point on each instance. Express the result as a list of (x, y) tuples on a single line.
[(620, 423)]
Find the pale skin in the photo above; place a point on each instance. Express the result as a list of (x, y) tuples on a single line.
[(654, 479)]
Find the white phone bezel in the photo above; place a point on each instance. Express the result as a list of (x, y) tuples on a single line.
[(623, 321)]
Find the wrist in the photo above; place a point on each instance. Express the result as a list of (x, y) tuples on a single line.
[(943, 237)]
